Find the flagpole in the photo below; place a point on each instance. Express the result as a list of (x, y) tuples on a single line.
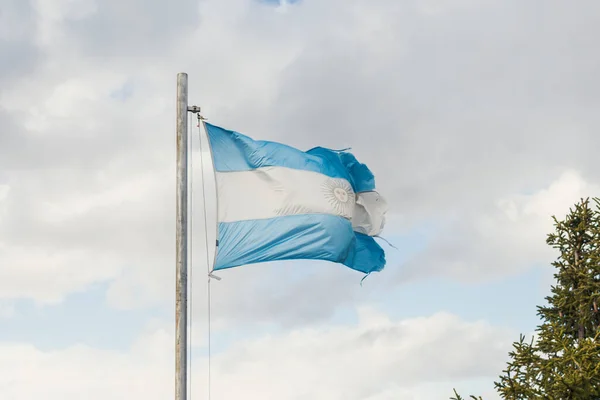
[(181, 295)]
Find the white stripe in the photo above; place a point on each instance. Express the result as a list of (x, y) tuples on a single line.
[(278, 191), (369, 213)]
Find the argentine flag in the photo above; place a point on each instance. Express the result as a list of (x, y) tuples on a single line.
[(275, 202)]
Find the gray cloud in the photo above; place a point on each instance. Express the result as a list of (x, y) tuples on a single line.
[(452, 106), (458, 105), (19, 53), (133, 28)]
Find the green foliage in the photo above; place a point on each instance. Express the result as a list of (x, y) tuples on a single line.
[(459, 397), (563, 362)]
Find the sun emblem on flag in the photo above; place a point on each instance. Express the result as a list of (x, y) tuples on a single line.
[(340, 196)]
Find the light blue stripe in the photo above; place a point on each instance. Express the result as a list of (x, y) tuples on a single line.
[(233, 151), (367, 256), (311, 236), (359, 175)]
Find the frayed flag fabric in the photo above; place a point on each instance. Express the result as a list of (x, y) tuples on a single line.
[(275, 202)]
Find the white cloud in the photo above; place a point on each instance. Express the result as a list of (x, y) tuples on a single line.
[(376, 359), (458, 107), (7, 310), (504, 238), (448, 120), (46, 275)]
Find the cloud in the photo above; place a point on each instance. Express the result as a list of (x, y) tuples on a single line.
[(20, 56), (131, 29), (449, 107), (447, 116), (7, 310), (503, 238), (375, 359), (478, 116)]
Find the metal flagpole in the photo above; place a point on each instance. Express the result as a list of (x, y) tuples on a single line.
[(181, 349), (181, 284)]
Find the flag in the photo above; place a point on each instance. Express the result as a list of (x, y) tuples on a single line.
[(275, 202)]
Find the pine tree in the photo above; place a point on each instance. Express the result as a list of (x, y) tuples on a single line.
[(563, 362)]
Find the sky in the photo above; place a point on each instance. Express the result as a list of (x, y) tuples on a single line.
[(478, 118)]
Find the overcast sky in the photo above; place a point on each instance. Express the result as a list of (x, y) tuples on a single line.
[(479, 119)]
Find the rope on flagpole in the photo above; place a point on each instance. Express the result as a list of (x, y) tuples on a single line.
[(208, 265), (191, 247)]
